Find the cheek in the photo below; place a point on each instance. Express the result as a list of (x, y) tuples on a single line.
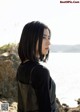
[(43, 47), (43, 44)]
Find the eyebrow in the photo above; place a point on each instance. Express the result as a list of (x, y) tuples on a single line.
[(46, 35)]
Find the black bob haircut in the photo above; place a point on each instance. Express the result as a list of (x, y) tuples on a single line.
[(31, 33)]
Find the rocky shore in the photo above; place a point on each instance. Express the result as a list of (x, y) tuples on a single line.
[(9, 62)]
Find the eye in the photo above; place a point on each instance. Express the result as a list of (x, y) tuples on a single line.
[(44, 37)]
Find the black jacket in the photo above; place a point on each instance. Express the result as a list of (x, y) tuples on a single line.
[(33, 75)]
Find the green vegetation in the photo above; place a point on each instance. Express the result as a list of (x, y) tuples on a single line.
[(7, 47)]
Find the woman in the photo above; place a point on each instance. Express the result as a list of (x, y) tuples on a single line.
[(36, 89)]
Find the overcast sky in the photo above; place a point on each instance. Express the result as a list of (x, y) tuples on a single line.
[(62, 18)]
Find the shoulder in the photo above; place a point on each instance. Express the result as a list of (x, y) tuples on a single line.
[(42, 70), (40, 74)]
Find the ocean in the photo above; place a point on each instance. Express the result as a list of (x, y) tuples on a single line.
[(65, 70)]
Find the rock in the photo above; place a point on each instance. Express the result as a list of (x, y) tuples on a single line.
[(65, 106), (9, 62), (8, 82), (74, 109), (59, 106), (12, 104), (78, 101)]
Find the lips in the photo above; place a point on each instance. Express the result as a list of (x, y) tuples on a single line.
[(47, 48)]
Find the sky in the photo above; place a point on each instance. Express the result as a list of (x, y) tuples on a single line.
[(62, 18)]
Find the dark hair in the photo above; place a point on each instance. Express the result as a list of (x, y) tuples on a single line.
[(32, 32)]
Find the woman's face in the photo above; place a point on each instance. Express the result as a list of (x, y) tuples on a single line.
[(45, 42)]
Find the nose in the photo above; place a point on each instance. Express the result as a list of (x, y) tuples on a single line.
[(49, 42)]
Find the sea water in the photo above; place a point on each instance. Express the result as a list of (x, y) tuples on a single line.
[(65, 71)]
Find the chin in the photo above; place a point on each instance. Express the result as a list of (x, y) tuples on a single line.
[(45, 54)]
